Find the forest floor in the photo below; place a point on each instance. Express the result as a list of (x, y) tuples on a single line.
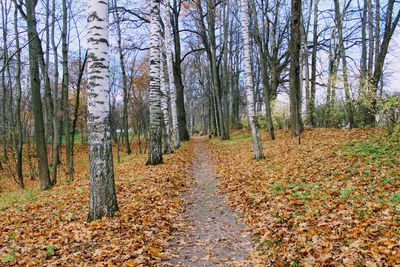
[(332, 200), (212, 234), (50, 228)]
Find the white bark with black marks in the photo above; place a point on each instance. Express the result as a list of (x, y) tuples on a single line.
[(257, 146), (165, 109), (103, 201), (155, 130)]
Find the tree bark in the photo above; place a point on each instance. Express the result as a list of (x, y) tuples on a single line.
[(34, 54), (348, 101), (55, 119), (171, 78), (265, 77), (164, 108), (103, 200), (155, 130), (390, 26), (19, 132), (257, 146), (180, 101), (65, 92), (294, 78), (124, 81), (311, 102)]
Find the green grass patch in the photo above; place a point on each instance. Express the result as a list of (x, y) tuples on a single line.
[(380, 149), (21, 196), (235, 138), (345, 193), (395, 199), (9, 257)]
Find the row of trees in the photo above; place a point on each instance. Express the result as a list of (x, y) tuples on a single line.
[(205, 65)]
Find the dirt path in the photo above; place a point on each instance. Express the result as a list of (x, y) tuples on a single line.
[(214, 237)]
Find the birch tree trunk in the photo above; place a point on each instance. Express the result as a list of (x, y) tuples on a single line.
[(164, 108), (155, 130), (103, 200), (171, 79), (257, 146)]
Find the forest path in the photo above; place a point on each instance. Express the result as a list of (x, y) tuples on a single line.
[(215, 237)]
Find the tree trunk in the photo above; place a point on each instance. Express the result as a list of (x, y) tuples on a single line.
[(65, 93), (180, 101), (171, 78), (55, 119), (77, 103), (19, 132), (164, 108), (124, 80), (294, 78), (225, 73), (4, 86), (155, 130), (265, 77), (103, 200), (390, 26), (311, 101), (348, 101), (34, 54), (257, 146), (212, 55)]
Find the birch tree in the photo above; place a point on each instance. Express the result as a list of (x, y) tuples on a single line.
[(155, 132), (171, 79), (257, 146), (103, 201), (164, 108)]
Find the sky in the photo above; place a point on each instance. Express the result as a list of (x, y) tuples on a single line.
[(392, 82)]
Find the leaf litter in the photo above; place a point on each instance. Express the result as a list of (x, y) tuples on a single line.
[(51, 228), (332, 200)]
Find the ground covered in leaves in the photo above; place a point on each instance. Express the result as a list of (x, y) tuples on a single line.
[(50, 228), (332, 200)]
